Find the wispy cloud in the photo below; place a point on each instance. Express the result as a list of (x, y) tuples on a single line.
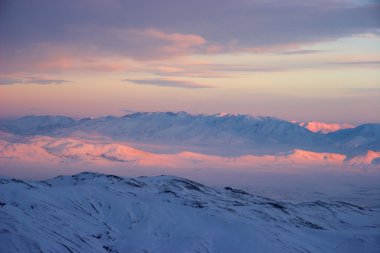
[(304, 51), (216, 70), (364, 91), (128, 111), (42, 81), (10, 81), (362, 63), (47, 81), (102, 49), (168, 83), (140, 44)]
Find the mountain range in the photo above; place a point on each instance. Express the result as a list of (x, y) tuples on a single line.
[(166, 139), (201, 130)]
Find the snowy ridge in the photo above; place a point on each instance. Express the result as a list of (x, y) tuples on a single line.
[(30, 125), (367, 136), (168, 126), (219, 130), (91, 212), (70, 151), (320, 127)]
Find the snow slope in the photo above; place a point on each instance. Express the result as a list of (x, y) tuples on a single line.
[(30, 125), (320, 127), (365, 136), (92, 212), (81, 153)]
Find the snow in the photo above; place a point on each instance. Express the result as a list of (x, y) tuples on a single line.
[(92, 212), (365, 136), (231, 134), (82, 152), (321, 127), (36, 124), (319, 189)]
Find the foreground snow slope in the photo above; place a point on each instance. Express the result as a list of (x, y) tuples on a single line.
[(92, 212)]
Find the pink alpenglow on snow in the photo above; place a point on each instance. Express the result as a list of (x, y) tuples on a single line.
[(320, 127)]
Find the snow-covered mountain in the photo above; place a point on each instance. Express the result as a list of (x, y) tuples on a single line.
[(320, 127), (169, 127), (92, 212), (31, 125), (79, 152), (365, 136), (236, 133), (181, 140)]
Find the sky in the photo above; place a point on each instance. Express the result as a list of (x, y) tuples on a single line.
[(295, 60)]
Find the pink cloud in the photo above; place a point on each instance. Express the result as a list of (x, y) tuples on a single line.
[(138, 44), (102, 49), (60, 62), (177, 39), (80, 64)]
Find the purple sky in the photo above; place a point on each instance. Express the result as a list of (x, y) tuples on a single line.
[(298, 60)]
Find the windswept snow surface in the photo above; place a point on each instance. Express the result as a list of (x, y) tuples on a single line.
[(91, 212)]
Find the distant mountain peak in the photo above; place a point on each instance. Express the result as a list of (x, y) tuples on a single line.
[(320, 127)]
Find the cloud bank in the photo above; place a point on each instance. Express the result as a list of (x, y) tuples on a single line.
[(145, 30)]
